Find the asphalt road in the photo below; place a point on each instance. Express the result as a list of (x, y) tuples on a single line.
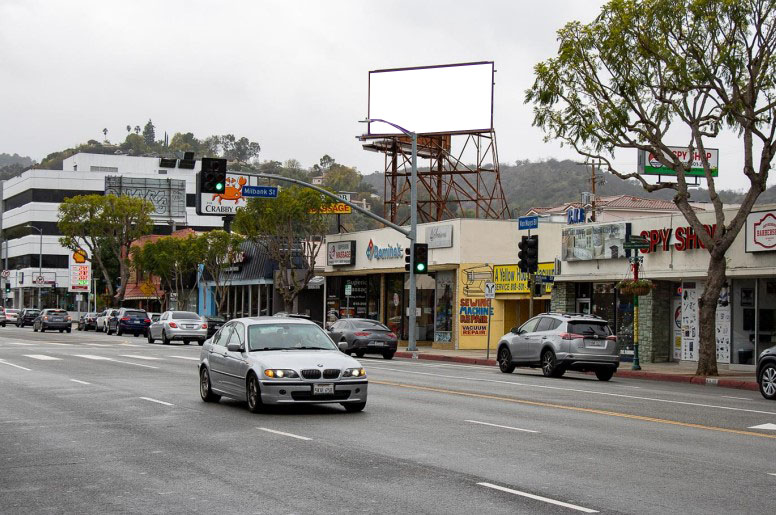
[(91, 423)]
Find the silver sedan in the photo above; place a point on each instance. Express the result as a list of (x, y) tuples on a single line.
[(184, 326), (270, 360)]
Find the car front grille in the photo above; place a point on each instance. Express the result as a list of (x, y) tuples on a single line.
[(331, 373), (308, 396), (311, 373)]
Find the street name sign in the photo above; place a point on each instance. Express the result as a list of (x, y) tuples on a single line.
[(260, 191), (348, 289), (490, 290), (528, 222)]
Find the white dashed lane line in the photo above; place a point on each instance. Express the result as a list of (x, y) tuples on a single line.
[(538, 498), (79, 381), (191, 358), (283, 434), (103, 358), (136, 356), (149, 399), (502, 427), (42, 357), (4, 362)]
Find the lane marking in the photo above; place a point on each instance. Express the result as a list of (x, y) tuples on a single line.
[(739, 398), (104, 358), (771, 474), (139, 357), (157, 401), (503, 427), (57, 343), (538, 498), (283, 434), (185, 357), (20, 343), (43, 357), (575, 408), (4, 362), (577, 390), (79, 381), (769, 427)]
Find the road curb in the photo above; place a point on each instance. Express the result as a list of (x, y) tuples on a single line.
[(621, 372)]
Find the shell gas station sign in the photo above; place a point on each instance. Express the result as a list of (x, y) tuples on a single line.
[(80, 273)]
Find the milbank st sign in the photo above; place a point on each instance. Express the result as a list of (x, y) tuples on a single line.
[(388, 252)]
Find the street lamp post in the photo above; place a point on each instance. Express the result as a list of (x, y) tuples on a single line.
[(40, 260), (413, 300)]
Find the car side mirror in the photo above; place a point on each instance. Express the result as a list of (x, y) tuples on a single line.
[(234, 347), (515, 330), (343, 347)]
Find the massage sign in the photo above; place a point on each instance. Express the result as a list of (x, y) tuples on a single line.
[(685, 238)]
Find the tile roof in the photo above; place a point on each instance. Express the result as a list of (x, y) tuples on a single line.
[(619, 202)]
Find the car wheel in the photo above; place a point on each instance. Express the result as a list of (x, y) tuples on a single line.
[(201, 342), (548, 363), (353, 407), (42, 329), (165, 340), (505, 360), (108, 331), (119, 332), (148, 334), (137, 334), (388, 355), (80, 328), (61, 331), (604, 374), (359, 353), (34, 328), (185, 342), (254, 394), (204, 387), (767, 381), (69, 329)]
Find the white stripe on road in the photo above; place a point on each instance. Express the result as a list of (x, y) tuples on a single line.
[(771, 474), (538, 498), (739, 398), (79, 381), (282, 433), (43, 357), (4, 362), (503, 427), (103, 358), (20, 343), (185, 357), (577, 390), (57, 343), (139, 357), (156, 401)]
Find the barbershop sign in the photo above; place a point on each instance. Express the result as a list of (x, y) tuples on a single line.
[(761, 231), (685, 238)]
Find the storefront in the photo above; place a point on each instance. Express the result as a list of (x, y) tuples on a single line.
[(366, 278), (594, 260)]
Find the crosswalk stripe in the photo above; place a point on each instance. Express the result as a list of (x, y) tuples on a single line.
[(138, 357), (43, 357), (192, 358)]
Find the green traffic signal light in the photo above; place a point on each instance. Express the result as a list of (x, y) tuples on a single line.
[(219, 186), (420, 267)]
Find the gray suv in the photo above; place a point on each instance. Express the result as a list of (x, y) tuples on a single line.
[(558, 342)]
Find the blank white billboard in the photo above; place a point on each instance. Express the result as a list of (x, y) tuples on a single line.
[(432, 100)]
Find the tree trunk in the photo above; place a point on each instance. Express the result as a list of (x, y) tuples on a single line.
[(707, 351), (288, 303)]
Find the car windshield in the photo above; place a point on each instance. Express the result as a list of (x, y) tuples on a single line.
[(184, 315), (56, 311), (32, 312), (590, 328), (287, 337), (370, 325)]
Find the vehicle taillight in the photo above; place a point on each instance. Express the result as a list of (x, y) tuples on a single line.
[(45, 318), (612, 338), (69, 319), (571, 336), (361, 333), (391, 335), (125, 319), (204, 326), (173, 325), (147, 320)]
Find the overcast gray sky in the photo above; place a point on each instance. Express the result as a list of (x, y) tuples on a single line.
[(291, 75)]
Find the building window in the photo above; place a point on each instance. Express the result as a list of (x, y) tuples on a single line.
[(109, 169), (443, 309)]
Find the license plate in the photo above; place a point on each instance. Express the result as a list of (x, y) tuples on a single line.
[(323, 389), (595, 343), (378, 344)]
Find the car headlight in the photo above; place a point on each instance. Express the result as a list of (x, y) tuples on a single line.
[(280, 373), (354, 372)]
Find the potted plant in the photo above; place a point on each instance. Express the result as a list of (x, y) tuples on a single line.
[(639, 287)]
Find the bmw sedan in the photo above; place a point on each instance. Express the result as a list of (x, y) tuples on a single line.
[(267, 360)]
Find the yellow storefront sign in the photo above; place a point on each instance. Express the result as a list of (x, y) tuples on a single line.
[(509, 279)]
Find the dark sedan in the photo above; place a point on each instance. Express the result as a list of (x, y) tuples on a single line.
[(88, 321), (27, 317), (363, 335), (133, 321), (213, 325), (56, 319)]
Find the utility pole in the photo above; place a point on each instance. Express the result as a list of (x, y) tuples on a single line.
[(593, 181)]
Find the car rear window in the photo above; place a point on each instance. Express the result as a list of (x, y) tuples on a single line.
[(184, 315), (57, 311), (369, 324), (135, 313), (593, 328)]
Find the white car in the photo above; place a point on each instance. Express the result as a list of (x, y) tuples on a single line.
[(102, 319), (269, 360), (11, 315), (185, 326)]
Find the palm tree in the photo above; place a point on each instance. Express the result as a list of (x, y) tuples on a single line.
[(129, 129), (137, 129), (105, 133)]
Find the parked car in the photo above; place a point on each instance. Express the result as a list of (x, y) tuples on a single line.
[(129, 320), (214, 324), (87, 321), (275, 360), (11, 315), (27, 316), (182, 326), (102, 319), (363, 335), (154, 316), (766, 373), (2, 316), (558, 342), (56, 319)]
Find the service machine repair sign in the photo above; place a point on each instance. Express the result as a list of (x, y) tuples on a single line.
[(761, 231), (80, 273)]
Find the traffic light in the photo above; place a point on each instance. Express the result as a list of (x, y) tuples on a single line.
[(522, 255), (421, 258), (532, 253), (212, 178), (7, 286), (407, 259)]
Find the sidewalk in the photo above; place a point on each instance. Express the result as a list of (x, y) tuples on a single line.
[(682, 372)]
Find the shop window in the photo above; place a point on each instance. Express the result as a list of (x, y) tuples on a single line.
[(394, 302), (445, 295), (744, 320)]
